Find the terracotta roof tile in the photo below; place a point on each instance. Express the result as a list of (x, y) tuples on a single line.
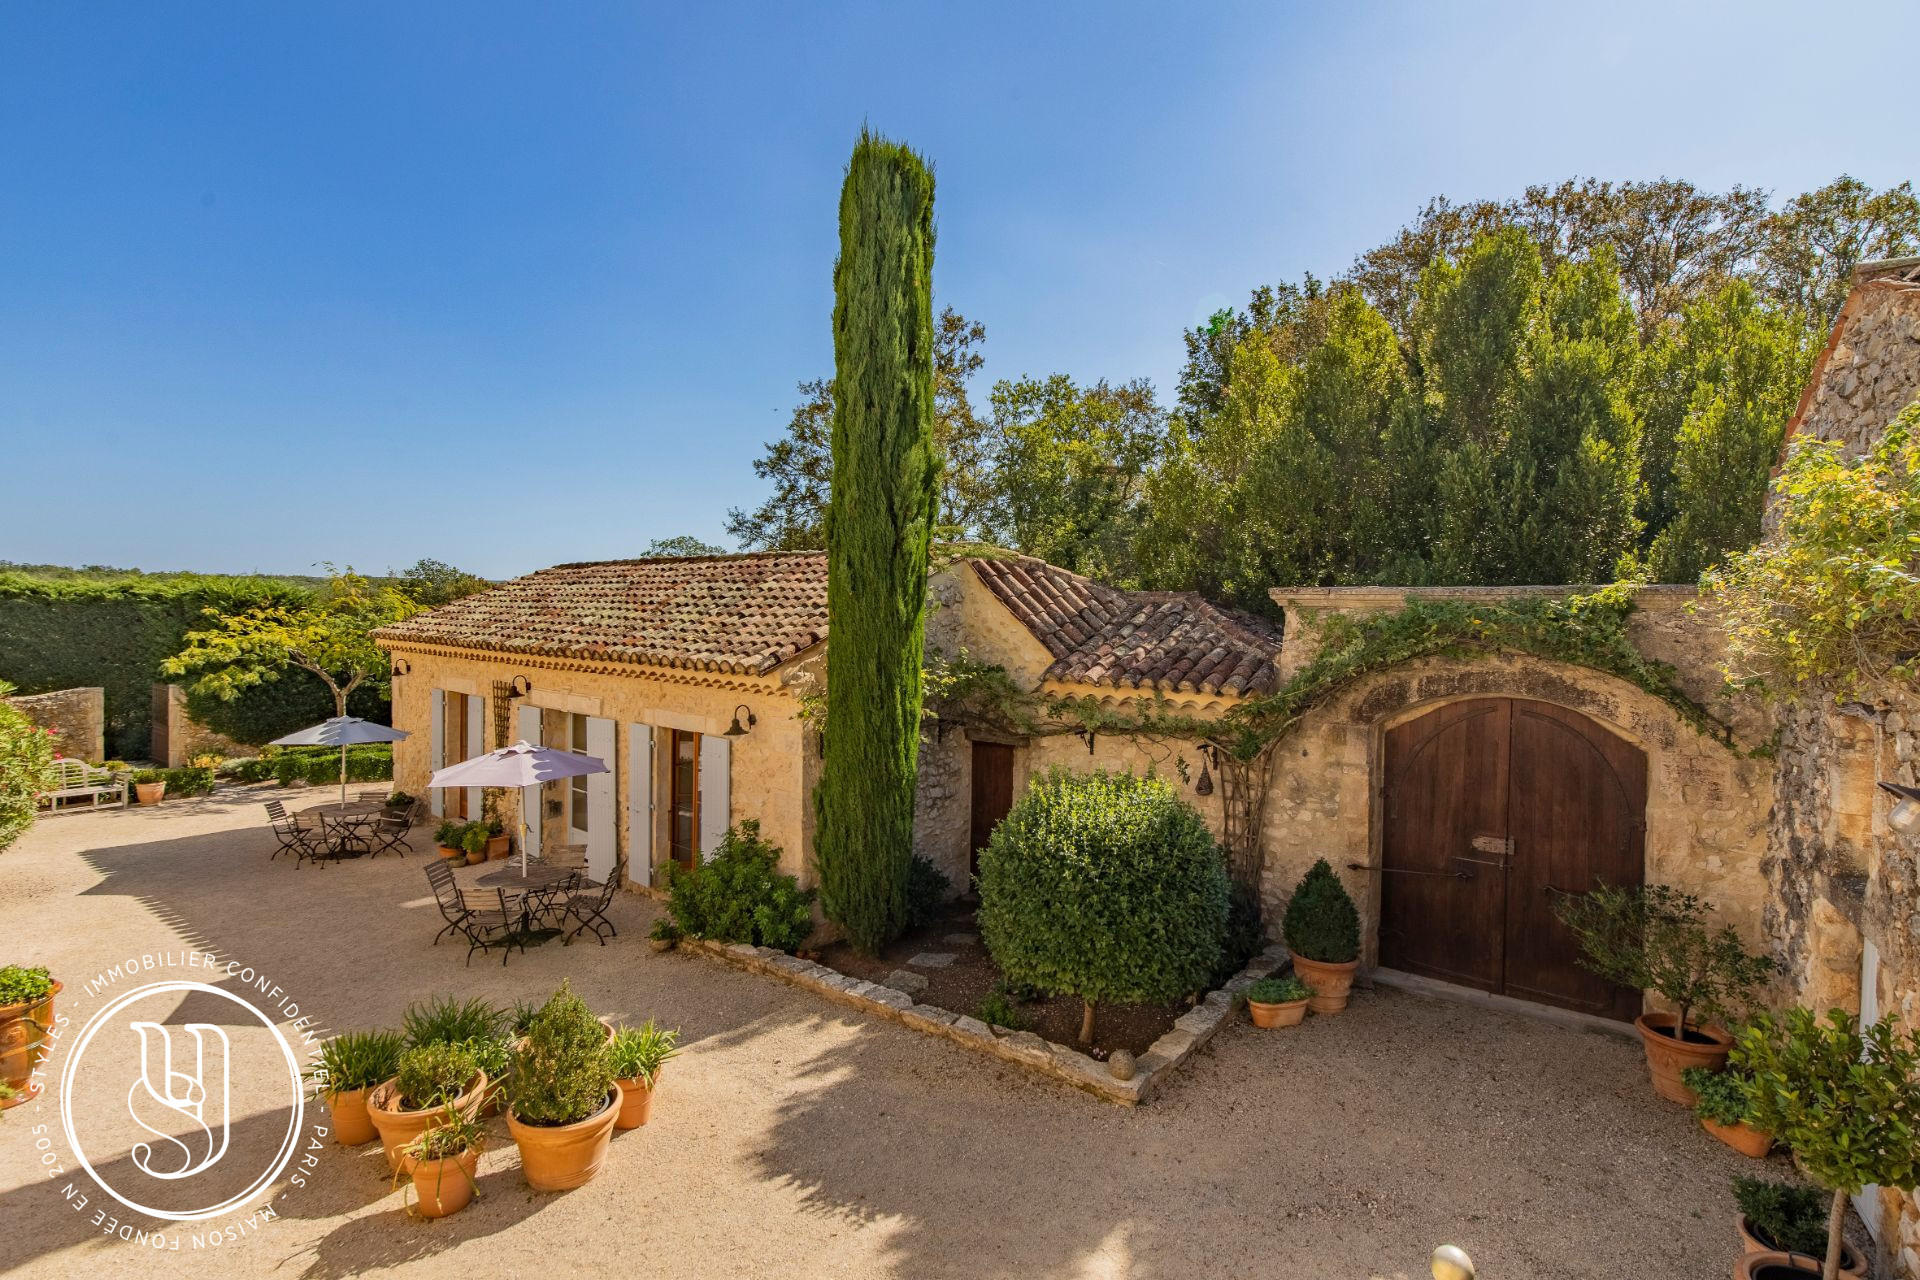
[(739, 614), (1174, 641)]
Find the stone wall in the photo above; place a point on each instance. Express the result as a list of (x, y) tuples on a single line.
[(1843, 904), (178, 737), (78, 718)]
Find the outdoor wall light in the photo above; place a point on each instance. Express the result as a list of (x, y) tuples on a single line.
[(1203, 785), (401, 667), (520, 687), (1087, 736), (1905, 817), (736, 729)]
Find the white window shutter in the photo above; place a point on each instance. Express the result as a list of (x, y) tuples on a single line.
[(716, 792), (529, 725), (476, 744), (640, 803), (601, 842), (437, 747)]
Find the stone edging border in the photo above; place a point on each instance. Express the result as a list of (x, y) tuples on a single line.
[(1190, 1030)]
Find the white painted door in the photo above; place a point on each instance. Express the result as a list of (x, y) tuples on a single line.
[(602, 846), (476, 738), (528, 720), (640, 803), (716, 792), (1867, 1203), (437, 747)]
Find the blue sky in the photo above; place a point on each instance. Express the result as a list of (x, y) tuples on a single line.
[(508, 285)]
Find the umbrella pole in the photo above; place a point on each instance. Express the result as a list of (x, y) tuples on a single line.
[(343, 775), (526, 830)]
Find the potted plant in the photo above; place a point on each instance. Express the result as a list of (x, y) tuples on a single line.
[(427, 1079), (442, 1162), (351, 1065), (1788, 1218), (1724, 1107), (1322, 929), (473, 839), (499, 844), (1656, 938), (399, 801), (665, 934), (636, 1055), (561, 1103), (1845, 1099), (474, 1024), (149, 785), (447, 837), (1278, 1002), (26, 1015)]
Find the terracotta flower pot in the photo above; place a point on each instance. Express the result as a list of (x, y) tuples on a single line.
[(23, 1042), (1744, 1138), (499, 847), (477, 857), (399, 1127), (1288, 1013), (1331, 983), (1775, 1266), (352, 1126), (636, 1101), (445, 1186), (451, 854), (1852, 1265), (1667, 1057), (149, 792), (562, 1157)]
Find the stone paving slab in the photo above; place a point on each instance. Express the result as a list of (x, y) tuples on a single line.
[(932, 959)]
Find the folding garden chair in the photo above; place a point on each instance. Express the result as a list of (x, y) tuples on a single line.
[(295, 836), (483, 928), (588, 905), (389, 831)]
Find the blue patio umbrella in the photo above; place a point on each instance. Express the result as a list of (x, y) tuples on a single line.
[(342, 732)]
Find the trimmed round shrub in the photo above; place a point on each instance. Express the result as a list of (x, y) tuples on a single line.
[(1321, 921), (561, 1072), (1105, 886)]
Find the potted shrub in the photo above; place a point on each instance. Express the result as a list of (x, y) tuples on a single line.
[(351, 1065), (149, 785), (446, 837), (26, 1014), (428, 1078), (1845, 1099), (1725, 1108), (474, 1024), (1322, 929), (473, 839), (561, 1103), (442, 1162), (499, 844), (1278, 1002), (1788, 1218), (1656, 938), (636, 1055)]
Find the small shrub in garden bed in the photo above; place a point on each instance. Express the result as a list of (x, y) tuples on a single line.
[(1104, 886), (927, 891), (739, 895), (999, 1009)]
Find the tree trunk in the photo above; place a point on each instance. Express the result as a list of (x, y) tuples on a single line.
[(1086, 1022), (1836, 1228)]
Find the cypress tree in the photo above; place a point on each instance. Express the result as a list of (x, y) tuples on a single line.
[(879, 528)]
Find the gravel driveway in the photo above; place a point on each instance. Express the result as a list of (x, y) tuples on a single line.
[(794, 1139)]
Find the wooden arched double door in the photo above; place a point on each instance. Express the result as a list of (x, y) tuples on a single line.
[(1494, 807)]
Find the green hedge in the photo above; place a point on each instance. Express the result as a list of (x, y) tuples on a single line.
[(319, 766), (63, 633)]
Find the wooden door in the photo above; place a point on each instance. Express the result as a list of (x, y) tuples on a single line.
[(1493, 808), (683, 796), (992, 793)]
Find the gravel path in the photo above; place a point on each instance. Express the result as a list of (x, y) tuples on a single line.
[(793, 1139)]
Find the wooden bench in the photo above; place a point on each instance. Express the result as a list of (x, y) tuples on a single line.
[(74, 781)]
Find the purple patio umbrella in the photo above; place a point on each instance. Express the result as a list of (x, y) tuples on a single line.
[(520, 765)]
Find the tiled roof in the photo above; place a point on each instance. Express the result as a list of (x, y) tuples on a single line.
[(747, 614), (1170, 640), (738, 614)]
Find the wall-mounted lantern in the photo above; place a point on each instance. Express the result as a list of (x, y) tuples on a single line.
[(520, 687), (1087, 736), (736, 729), (1203, 785), (401, 667), (1905, 817)]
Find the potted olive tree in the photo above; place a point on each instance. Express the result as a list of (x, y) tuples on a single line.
[(1656, 938), (1322, 929), (561, 1103), (1790, 1218), (428, 1079), (1845, 1099), (636, 1055), (351, 1065)]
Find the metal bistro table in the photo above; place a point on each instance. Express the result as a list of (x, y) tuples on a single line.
[(535, 888), (343, 827)]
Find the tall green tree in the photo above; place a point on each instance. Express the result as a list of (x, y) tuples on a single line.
[(885, 495), (1817, 238), (800, 462)]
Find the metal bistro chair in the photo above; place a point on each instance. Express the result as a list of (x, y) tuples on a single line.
[(389, 830), (295, 836), (588, 905), (378, 796), (484, 929)]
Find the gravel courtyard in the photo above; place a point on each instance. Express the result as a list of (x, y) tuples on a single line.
[(794, 1139)]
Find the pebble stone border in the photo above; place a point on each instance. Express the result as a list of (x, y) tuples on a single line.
[(1190, 1030)]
